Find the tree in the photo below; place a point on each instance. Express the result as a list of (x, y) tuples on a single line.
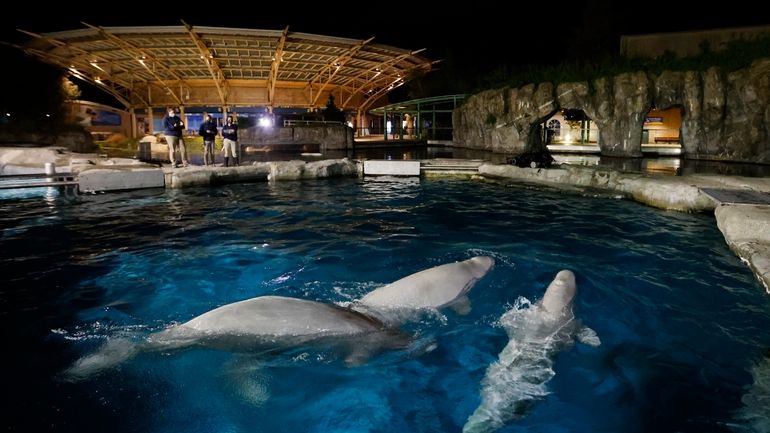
[(70, 90), (332, 113)]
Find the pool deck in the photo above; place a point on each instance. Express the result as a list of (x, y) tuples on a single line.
[(741, 205)]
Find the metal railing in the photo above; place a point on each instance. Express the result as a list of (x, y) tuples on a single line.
[(292, 122), (16, 181)]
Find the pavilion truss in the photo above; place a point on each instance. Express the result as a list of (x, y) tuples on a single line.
[(192, 66)]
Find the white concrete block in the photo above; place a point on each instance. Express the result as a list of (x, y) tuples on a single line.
[(118, 179), (391, 167)]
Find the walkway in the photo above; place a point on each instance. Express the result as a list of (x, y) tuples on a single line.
[(647, 149), (737, 196)]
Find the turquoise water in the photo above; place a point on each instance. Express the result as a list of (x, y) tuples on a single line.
[(684, 325)]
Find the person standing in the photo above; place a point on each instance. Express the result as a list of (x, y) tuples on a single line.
[(208, 131), (230, 141), (173, 132)]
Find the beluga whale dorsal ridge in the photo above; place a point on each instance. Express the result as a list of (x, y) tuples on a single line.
[(440, 286), (536, 332)]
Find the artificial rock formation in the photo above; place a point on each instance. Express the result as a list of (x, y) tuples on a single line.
[(726, 116), (504, 120)]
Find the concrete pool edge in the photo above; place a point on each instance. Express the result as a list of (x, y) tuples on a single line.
[(745, 227)]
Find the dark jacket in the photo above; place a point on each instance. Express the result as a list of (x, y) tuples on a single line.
[(173, 125), (230, 131), (208, 130)]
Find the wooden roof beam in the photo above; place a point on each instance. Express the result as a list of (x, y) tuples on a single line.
[(377, 70), (337, 64), (143, 56), (277, 59), (211, 63), (66, 64), (369, 101), (88, 55)]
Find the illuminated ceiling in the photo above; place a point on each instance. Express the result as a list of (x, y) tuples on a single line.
[(229, 67)]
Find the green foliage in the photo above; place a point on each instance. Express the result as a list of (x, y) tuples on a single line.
[(118, 142), (70, 90), (737, 55)]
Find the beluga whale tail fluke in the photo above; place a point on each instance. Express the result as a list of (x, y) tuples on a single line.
[(537, 333), (111, 354)]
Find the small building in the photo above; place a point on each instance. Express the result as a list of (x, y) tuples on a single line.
[(686, 44), (101, 120)]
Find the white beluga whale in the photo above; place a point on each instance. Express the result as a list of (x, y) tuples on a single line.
[(265, 323), (274, 323), (536, 334), (440, 286)]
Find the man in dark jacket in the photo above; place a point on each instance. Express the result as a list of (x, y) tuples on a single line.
[(208, 131), (173, 131)]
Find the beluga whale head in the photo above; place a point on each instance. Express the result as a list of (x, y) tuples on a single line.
[(560, 293)]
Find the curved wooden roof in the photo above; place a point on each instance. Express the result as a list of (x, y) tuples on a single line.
[(230, 67)]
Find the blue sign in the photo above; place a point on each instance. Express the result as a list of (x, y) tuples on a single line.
[(106, 118)]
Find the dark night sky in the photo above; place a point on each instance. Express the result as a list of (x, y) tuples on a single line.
[(472, 40)]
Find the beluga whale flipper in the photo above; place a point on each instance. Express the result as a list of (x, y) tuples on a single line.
[(440, 286), (536, 334)]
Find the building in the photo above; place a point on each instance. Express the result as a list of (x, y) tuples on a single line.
[(148, 69), (685, 44)]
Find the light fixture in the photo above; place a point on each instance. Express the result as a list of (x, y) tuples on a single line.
[(265, 121)]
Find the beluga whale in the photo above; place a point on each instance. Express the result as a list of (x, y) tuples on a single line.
[(441, 286), (269, 324), (537, 333)]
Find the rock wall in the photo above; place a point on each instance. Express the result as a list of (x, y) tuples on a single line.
[(725, 116), (504, 120), (327, 137)]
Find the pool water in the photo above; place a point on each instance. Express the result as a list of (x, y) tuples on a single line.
[(684, 325)]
